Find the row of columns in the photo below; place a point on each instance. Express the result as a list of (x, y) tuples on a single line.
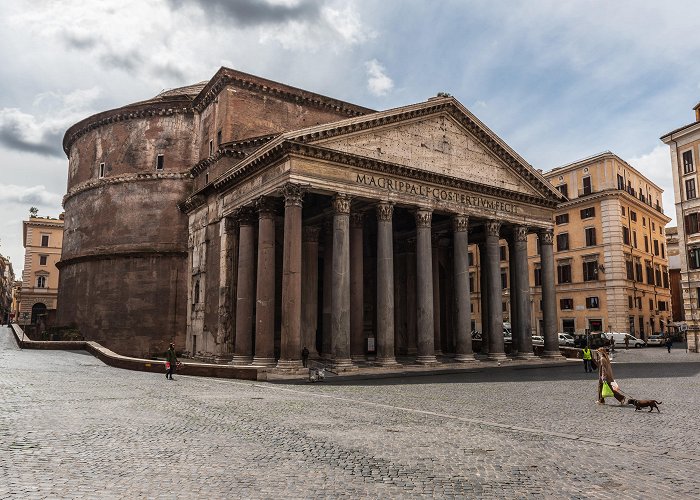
[(343, 306)]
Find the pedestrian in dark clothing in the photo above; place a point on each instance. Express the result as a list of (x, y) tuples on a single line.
[(305, 356), (171, 362), (627, 342), (669, 343)]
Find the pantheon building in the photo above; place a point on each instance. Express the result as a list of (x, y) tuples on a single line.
[(245, 219)]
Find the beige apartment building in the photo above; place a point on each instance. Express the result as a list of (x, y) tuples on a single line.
[(610, 253), (684, 144), (610, 249), (43, 239)]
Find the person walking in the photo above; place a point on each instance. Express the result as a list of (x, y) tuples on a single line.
[(605, 375), (305, 357), (669, 343), (171, 361), (587, 359), (627, 342)]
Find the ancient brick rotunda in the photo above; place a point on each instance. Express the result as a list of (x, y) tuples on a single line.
[(245, 219)]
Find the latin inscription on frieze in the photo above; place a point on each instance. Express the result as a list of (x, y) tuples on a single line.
[(437, 193)]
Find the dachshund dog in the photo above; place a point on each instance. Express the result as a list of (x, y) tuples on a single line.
[(645, 403)]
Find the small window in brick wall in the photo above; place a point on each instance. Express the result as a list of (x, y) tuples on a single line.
[(160, 162)]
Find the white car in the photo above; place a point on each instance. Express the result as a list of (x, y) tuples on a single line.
[(620, 339), (537, 340), (656, 340), (566, 340)]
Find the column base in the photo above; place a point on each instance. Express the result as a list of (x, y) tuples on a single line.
[(290, 364), (525, 355), (552, 354), (387, 362), (343, 365), (239, 360), (465, 358), (223, 359), (496, 356), (426, 360), (361, 358), (265, 362)]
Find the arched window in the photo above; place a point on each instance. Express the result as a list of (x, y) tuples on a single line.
[(38, 309), (41, 282)]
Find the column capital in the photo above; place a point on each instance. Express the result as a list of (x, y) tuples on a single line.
[(385, 210), (424, 217), (546, 236), (460, 223), (230, 224), (520, 233), (310, 233), (293, 194), (245, 216), (493, 228), (357, 219), (341, 204), (265, 207)]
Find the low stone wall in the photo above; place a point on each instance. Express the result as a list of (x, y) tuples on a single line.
[(144, 365)]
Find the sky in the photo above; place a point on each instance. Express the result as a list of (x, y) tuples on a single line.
[(558, 81)]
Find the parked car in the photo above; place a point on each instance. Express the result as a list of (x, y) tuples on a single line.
[(537, 340), (566, 340), (619, 339), (656, 339)]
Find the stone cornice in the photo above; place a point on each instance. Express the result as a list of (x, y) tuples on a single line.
[(227, 76), (284, 147), (600, 195), (211, 160), (119, 179), (126, 254), (129, 112)]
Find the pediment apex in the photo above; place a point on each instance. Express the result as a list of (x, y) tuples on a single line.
[(381, 125)]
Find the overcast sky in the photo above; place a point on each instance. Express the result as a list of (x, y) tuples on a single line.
[(558, 81)]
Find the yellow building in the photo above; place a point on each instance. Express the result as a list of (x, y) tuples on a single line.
[(43, 239), (610, 253), (610, 250)]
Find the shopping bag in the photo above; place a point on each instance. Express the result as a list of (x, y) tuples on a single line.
[(614, 386), (607, 391), (167, 365)]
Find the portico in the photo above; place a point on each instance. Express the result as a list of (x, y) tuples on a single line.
[(352, 240)]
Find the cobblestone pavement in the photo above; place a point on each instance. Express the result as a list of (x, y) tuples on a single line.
[(72, 427)]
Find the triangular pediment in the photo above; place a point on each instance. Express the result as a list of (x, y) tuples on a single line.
[(435, 143)]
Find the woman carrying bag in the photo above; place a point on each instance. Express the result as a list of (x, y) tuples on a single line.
[(606, 381)]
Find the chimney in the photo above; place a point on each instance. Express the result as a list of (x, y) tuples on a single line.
[(697, 112)]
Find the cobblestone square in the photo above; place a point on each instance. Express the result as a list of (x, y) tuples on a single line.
[(72, 427)]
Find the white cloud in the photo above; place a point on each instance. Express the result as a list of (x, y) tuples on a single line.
[(37, 196), (656, 165), (378, 82)]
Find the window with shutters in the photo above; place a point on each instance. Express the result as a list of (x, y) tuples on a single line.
[(590, 270), (564, 272), (561, 219), (590, 236), (562, 242), (592, 303), (587, 213), (691, 224), (566, 304), (690, 189), (688, 166)]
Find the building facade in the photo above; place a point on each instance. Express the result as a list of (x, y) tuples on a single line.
[(43, 239), (674, 273), (7, 279), (292, 219), (610, 248), (684, 144)]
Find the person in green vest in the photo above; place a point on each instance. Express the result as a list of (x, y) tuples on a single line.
[(587, 359), (171, 362)]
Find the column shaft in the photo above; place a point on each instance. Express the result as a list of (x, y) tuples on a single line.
[(309, 289), (513, 293), (437, 341), (340, 301), (463, 315), (224, 329), (245, 299), (424, 288), (327, 328), (385, 285), (357, 337), (522, 293), (483, 298), (411, 297), (495, 291), (290, 352), (265, 295), (549, 309)]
